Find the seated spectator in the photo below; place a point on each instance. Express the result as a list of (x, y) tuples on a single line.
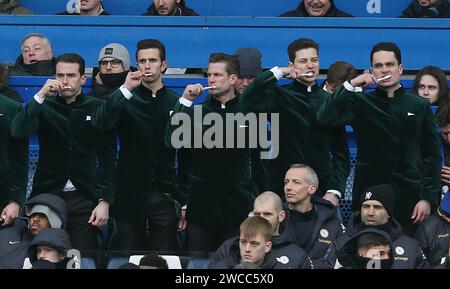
[(4, 82), (13, 7), (40, 212), (87, 8), (153, 261), (427, 9), (313, 220), (169, 8), (338, 73), (36, 58), (377, 209), (253, 245), (114, 65), (49, 248), (431, 83), (269, 206), (250, 66), (316, 8), (433, 234), (368, 249), (443, 123), (246, 265)]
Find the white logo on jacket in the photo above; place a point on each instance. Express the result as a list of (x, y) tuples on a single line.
[(283, 259)]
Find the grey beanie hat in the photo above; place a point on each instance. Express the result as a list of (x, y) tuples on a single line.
[(52, 216), (118, 51)]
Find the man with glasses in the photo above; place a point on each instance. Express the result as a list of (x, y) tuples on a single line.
[(113, 67)]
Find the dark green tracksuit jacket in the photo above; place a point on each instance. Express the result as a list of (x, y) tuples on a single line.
[(397, 144), (302, 138), (220, 187), (69, 146), (145, 164), (13, 156)]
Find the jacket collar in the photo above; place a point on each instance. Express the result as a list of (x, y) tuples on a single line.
[(383, 93), (218, 105), (304, 89)]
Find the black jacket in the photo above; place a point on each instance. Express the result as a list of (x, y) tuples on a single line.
[(220, 184), (228, 255), (414, 10), (13, 156), (15, 239), (302, 12), (11, 93), (39, 68), (146, 167), (346, 256), (433, 235), (326, 229), (407, 253), (69, 146), (180, 10), (55, 238)]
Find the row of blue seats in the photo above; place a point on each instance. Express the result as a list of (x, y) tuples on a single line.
[(360, 8), (190, 40)]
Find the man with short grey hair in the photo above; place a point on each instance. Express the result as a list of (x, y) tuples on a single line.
[(36, 57)]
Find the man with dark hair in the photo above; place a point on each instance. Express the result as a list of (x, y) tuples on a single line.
[(302, 138), (368, 249), (395, 134), (427, 9), (153, 261), (316, 8), (76, 160), (338, 73), (377, 208), (36, 57), (220, 185), (169, 8), (40, 212), (87, 8), (146, 182), (313, 220)]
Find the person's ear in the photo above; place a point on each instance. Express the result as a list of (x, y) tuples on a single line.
[(268, 247), (290, 64), (281, 216), (400, 69), (83, 79)]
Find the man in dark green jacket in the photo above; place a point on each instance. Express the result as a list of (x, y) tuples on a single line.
[(302, 138), (220, 185), (76, 160), (13, 163), (395, 133), (146, 181)]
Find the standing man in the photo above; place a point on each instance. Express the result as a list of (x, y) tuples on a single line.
[(220, 185), (13, 163), (302, 138), (146, 181), (76, 160), (395, 134)]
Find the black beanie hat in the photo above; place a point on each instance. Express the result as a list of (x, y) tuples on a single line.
[(381, 193)]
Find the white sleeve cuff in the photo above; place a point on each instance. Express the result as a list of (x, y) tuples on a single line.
[(185, 101), (349, 87), (39, 99), (184, 207), (126, 93), (335, 192), (277, 72)]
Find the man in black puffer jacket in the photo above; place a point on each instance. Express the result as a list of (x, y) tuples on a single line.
[(434, 234), (40, 212), (377, 207)]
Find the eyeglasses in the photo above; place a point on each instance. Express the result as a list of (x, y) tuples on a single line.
[(114, 63)]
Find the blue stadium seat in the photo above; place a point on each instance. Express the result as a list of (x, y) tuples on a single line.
[(87, 263), (116, 262), (198, 263)]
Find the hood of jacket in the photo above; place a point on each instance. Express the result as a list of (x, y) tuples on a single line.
[(50, 200), (55, 238)]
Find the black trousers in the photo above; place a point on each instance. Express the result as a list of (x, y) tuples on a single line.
[(202, 239), (83, 235), (155, 229)]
